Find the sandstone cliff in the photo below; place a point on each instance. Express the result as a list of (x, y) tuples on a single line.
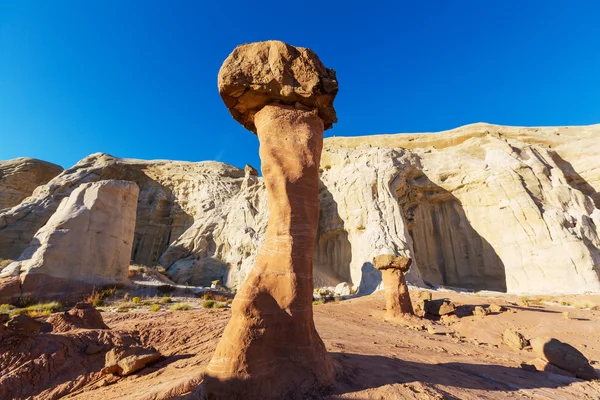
[(19, 178), (480, 207), (86, 243)]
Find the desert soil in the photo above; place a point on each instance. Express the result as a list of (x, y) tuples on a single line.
[(375, 359)]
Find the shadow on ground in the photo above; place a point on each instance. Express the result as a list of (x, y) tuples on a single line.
[(361, 372)]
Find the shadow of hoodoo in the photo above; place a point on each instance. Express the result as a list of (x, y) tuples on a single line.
[(447, 250)]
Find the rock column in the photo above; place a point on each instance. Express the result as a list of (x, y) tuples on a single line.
[(270, 347)]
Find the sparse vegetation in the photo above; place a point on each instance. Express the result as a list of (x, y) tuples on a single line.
[(180, 307), (214, 296), (213, 304), (155, 308), (38, 310), (6, 308), (165, 300), (136, 300), (4, 263), (26, 301), (317, 302)]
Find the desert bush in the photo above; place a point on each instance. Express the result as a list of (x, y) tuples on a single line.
[(165, 300), (214, 296), (209, 304), (6, 308), (97, 302), (180, 307), (4, 263), (317, 302), (136, 300), (155, 308)]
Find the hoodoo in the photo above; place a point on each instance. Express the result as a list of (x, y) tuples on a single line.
[(270, 347)]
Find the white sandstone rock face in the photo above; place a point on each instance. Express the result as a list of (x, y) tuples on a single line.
[(479, 207), (86, 243), (20, 177)]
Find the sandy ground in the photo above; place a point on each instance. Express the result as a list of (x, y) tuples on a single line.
[(375, 359)]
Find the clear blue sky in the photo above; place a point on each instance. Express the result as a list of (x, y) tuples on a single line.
[(138, 78)]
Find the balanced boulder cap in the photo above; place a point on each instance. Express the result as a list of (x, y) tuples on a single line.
[(258, 74)]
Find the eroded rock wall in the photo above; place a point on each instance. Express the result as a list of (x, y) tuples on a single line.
[(480, 207)]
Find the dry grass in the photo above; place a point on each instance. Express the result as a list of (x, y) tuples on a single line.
[(180, 307), (4, 263), (38, 310), (155, 308)]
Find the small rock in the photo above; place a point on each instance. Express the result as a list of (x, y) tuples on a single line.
[(568, 315), (544, 366), (514, 339), (448, 319), (528, 367), (126, 361), (425, 296), (439, 307), (431, 330), (480, 311), (343, 289), (495, 308), (564, 356)]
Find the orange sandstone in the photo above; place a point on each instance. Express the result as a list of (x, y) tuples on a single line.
[(270, 348)]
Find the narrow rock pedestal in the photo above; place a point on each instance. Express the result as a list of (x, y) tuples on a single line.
[(271, 347), (397, 298)]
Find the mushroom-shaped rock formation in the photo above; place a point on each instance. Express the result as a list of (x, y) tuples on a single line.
[(397, 299), (270, 348)]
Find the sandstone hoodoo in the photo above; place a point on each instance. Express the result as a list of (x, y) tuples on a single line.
[(270, 348), (85, 244), (397, 299)]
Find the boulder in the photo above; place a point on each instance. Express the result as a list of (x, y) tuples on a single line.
[(480, 311), (258, 74), (439, 307), (126, 361), (85, 244), (343, 289), (513, 338), (564, 356), (495, 308)]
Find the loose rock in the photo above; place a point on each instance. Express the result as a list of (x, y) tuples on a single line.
[(513, 338), (564, 356)]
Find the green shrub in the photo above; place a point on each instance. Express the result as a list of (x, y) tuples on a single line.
[(317, 302), (155, 308), (181, 307), (136, 300), (97, 302), (165, 300)]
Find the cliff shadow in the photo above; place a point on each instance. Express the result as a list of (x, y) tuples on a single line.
[(333, 250), (575, 180), (447, 249)]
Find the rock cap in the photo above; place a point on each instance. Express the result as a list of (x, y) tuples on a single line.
[(391, 261), (258, 74)]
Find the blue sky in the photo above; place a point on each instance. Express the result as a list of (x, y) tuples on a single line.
[(138, 78)]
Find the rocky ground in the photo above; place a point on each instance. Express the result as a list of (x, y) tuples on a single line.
[(462, 357)]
